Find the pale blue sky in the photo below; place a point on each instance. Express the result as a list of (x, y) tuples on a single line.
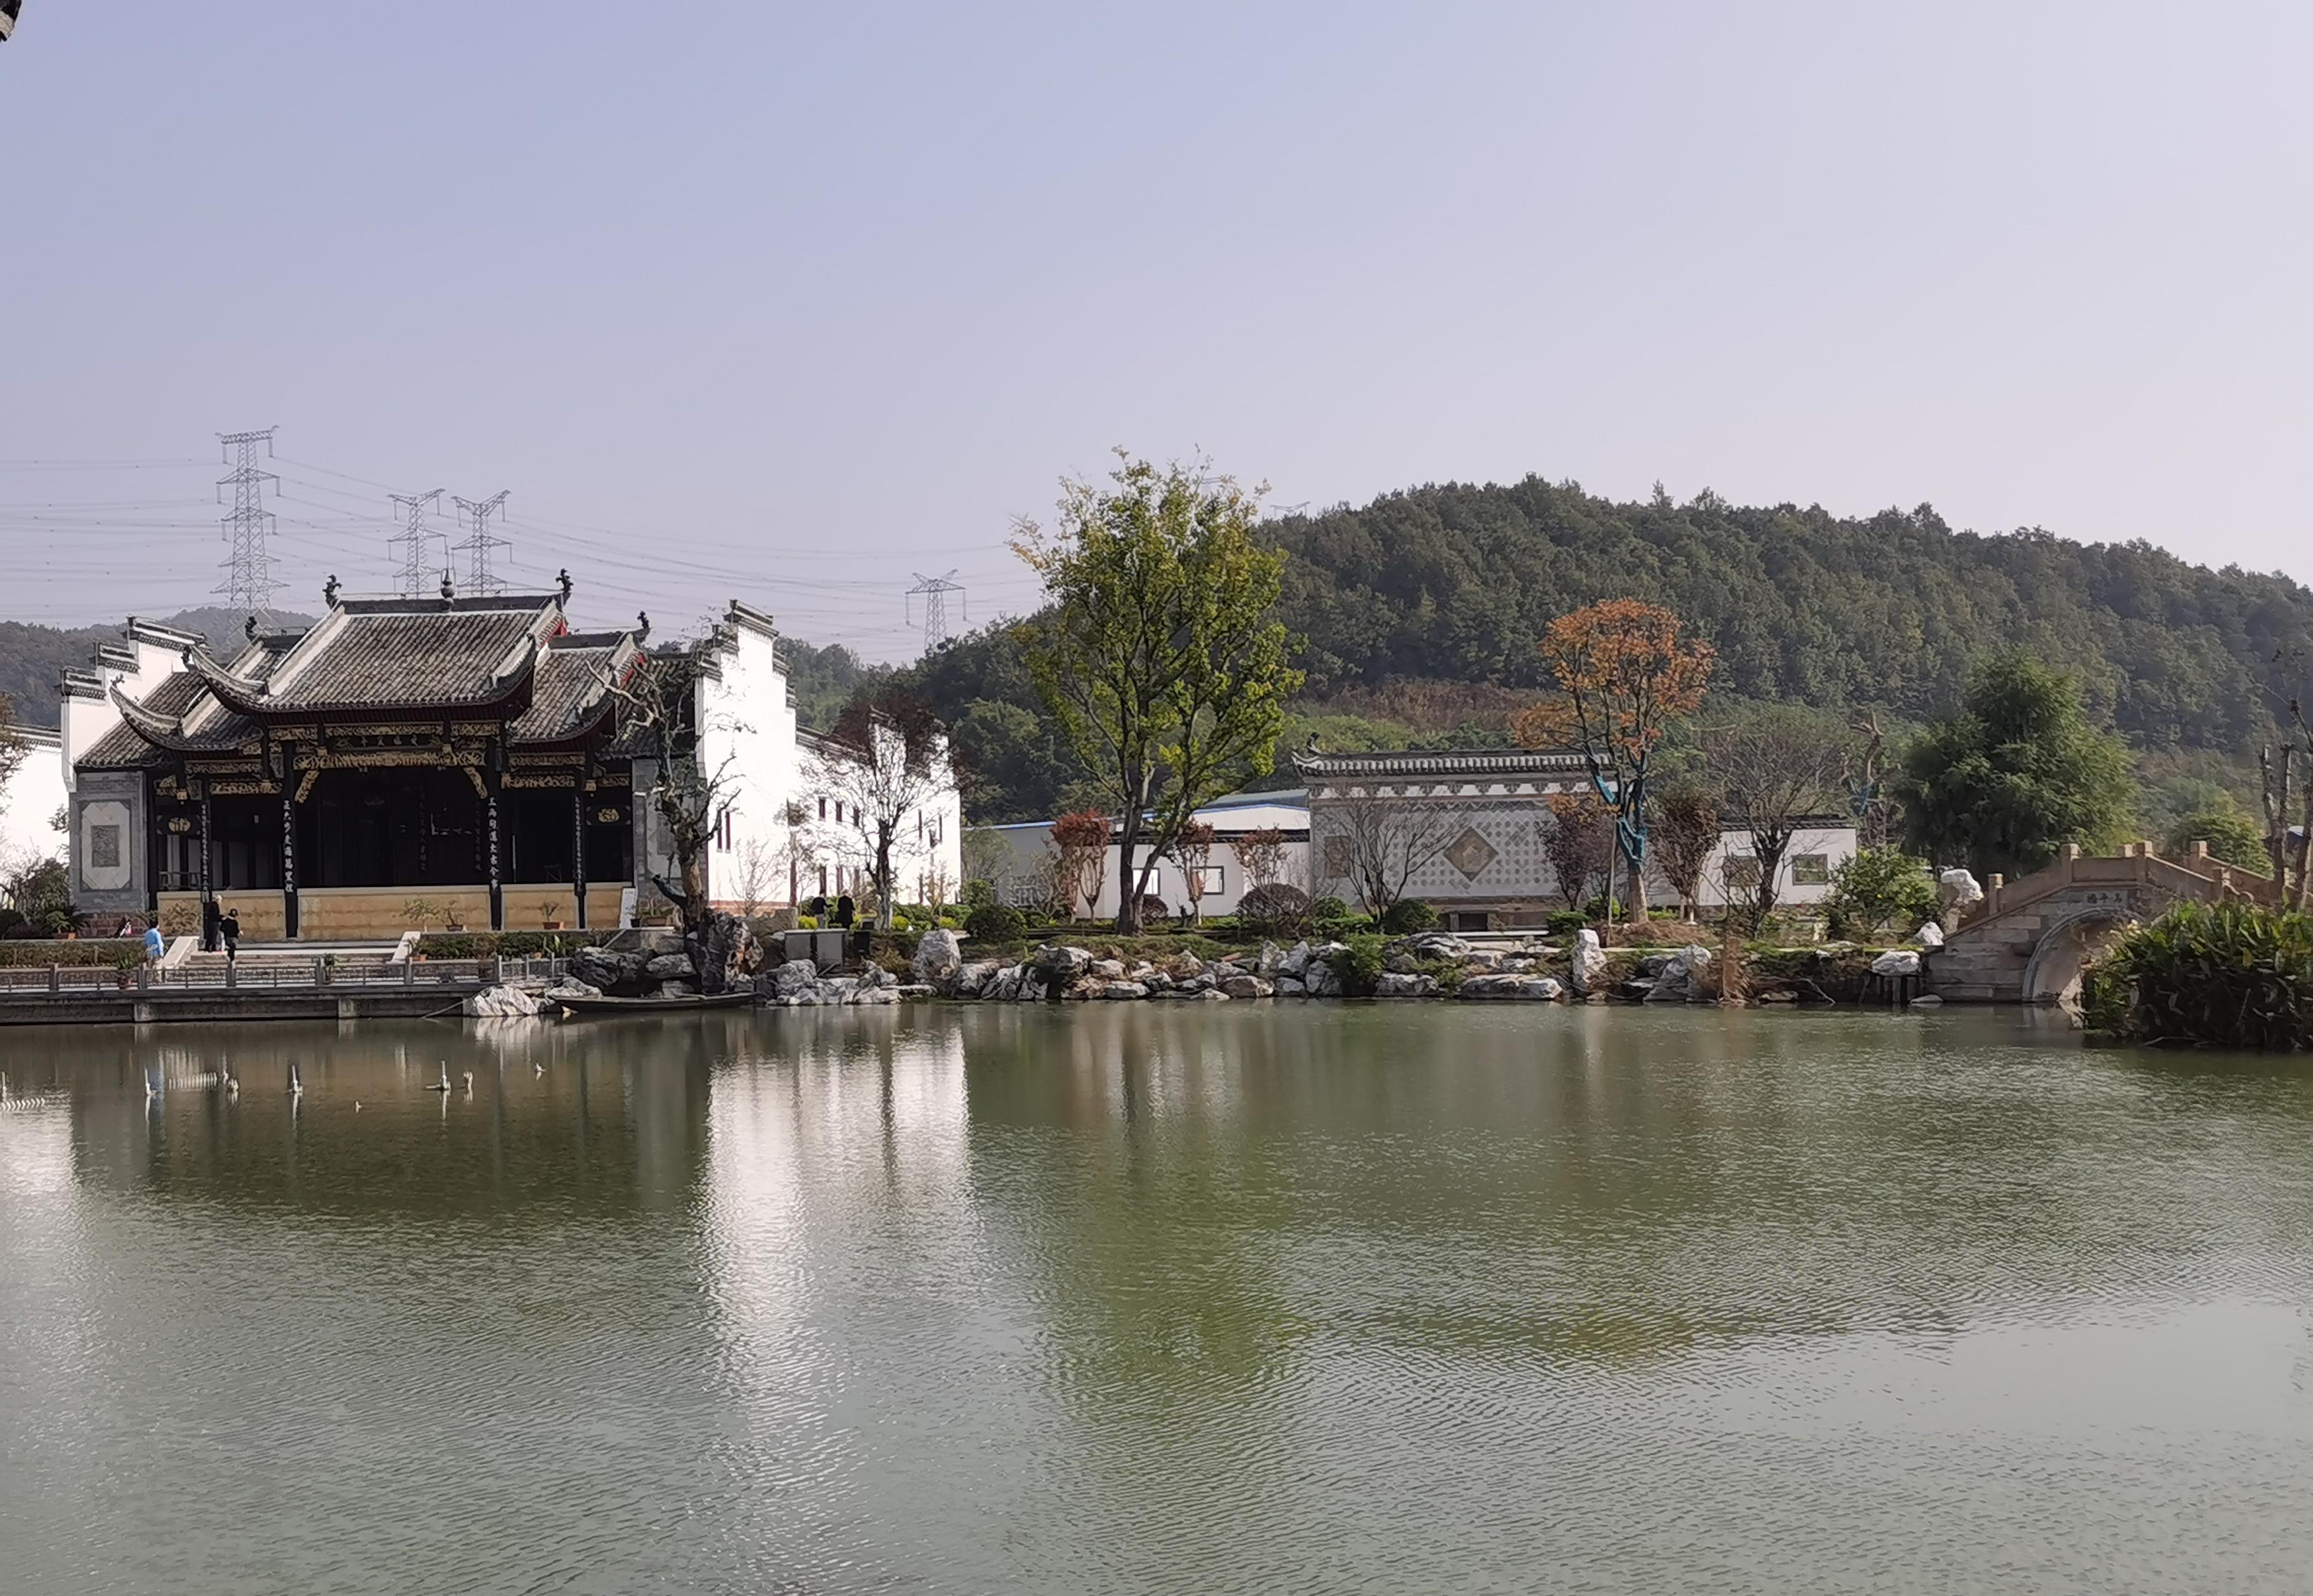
[(825, 295)]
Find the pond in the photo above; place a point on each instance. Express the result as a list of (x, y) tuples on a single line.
[(1126, 1297)]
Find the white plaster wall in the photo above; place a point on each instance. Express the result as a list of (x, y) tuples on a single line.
[(30, 799), (83, 721), (744, 719)]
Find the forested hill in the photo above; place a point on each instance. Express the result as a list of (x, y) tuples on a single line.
[(1457, 583), (33, 658)]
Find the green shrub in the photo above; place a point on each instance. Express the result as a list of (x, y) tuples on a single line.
[(1328, 908), (1565, 922), (978, 893), (1880, 890), (1602, 907), (2233, 974), (2231, 836), (1275, 909), (1361, 968), (1407, 916), (994, 922)]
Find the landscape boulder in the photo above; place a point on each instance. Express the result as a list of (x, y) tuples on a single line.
[(1958, 889), (1533, 989), (1318, 976), (1394, 984), (1059, 961), (670, 966), (569, 988), (1929, 935), (501, 1002), (1121, 991), (1896, 961), (1589, 960), (1247, 986), (604, 969), (1294, 960), (937, 957), (1681, 980)]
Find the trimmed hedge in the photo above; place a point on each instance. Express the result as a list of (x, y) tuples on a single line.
[(456, 945), (102, 952)]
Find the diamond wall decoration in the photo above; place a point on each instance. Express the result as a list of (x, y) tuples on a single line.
[(1470, 853)]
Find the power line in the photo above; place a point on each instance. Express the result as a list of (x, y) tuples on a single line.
[(479, 579), (414, 563), (250, 583)]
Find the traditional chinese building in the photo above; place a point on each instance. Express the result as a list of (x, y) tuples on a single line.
[(410, 763), (1470, 824)]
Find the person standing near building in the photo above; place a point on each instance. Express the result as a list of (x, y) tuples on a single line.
[(230, 926), (154, 947)]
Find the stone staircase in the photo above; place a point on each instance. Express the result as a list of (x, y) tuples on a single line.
[(294, 964)]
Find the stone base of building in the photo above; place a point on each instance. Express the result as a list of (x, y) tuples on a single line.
[(381, 914)]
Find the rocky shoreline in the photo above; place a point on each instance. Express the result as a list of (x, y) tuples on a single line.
[(1430, 965)]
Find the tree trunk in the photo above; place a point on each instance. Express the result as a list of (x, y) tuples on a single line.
[(1730, 961), (1634, 907), (883, 878), (1128, 886)]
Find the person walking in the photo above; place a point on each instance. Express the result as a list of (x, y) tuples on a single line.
[(231, 928)]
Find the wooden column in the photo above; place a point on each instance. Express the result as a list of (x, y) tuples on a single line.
[(208, 893), (288, 861), (490, 842), (578, 846)]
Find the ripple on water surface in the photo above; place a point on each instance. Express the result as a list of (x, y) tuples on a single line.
[(1125, 1298)]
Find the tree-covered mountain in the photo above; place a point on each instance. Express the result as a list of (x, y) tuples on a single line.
[(1456, 584), (1422, 610), (33, 657)]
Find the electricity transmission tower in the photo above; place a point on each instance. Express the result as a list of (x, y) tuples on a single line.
[(479, 544), (933, 591), (414, 539), (250, 584)]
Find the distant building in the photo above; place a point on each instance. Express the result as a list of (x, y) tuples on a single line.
[(1027, 852), (430, 760), (1486, 810)]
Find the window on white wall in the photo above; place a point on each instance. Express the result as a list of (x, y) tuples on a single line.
[(1209, 879), (1810, 869)]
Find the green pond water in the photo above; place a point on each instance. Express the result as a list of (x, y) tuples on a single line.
[(1231, 1298)]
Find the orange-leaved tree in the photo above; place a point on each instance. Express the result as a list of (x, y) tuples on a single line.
[(1624, 675)]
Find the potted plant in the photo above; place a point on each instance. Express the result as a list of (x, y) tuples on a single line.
[(124, 964)]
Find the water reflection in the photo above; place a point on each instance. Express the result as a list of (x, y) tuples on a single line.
[(1140, 1297)]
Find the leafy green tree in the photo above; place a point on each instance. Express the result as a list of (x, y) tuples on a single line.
[(2019, 772), (1160, 656), (1880, 889), (2231, 836)]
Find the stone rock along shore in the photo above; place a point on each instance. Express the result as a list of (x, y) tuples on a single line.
[(1432, 965)]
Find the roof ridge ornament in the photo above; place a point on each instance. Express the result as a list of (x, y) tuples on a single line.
[(449, 587), (562, 580), (330, 592)]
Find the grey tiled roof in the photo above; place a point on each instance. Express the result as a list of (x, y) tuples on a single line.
[(407, 658), (1442, 763), (567, 695), (197, 722)]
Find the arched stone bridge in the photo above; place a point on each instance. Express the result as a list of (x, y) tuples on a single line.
[(2027, 940)]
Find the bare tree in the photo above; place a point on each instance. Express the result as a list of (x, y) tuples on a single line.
[(1773, 773), (757, 874), (1685, 832), (886, 760), (1192, 848), (1080, 839), (1386, 842), (1260, 855), (1577, 838), (659, 696)]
